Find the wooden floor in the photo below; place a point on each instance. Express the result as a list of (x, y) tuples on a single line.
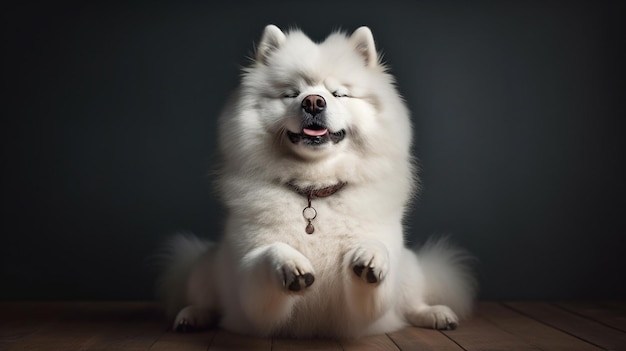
[(140, 326)]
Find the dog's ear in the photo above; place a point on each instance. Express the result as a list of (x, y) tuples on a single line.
[(363, 41), (271, 40)]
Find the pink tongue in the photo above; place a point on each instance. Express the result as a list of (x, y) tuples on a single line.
[(314, 132)]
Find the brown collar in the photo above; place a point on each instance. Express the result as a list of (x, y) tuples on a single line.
[(311, 192), (309, 212)]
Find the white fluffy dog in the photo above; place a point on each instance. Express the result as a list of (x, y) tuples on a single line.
[(316, 176)]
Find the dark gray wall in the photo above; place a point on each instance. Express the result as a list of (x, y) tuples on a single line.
[(108, 134)]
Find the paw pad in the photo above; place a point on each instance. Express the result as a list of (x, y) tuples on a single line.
[(366, 273), (300, 281), (184, 326)]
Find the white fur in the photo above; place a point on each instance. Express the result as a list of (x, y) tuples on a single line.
[(242, 282)]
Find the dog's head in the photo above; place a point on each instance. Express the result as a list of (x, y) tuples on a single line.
[(303, 101)]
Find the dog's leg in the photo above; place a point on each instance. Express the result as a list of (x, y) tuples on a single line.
[(271, 278), (369, 289), (194, 318), (413, 304), (369, 261), (200, 296), (435, 317)]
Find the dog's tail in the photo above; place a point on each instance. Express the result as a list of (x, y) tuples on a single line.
[(177, 259), (448, 277)]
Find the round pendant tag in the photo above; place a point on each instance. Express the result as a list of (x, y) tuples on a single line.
[(309, 228)]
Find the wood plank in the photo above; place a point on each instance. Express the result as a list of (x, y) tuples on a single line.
[(618, 305), (65, 333), (127, 325), (575, 326), (529, 330), (98, 326), (199, 341), (279, 344), (19, 319), (580, 327), (130, 336), (479, 334), (599, 312), (370, 343), (420, 339), (61, 335), (227, 341)]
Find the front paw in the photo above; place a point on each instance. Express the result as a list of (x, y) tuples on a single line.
[(435, 317), (296, 280), (292, 269), (370, 262), (192, 318)]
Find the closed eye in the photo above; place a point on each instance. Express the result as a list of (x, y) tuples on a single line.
[(337, 93), (291, 94)]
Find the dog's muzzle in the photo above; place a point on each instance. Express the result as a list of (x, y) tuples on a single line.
[(314, 130)]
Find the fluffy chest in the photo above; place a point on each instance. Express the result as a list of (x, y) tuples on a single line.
[(338, 220)]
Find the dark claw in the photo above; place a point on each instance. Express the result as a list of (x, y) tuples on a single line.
[(183, 326), (301, 281), (370, 277), (358, 270), (308, 279), (452, 326), (295, 285)]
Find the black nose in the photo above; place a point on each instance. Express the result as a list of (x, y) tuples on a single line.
[(313, 104)]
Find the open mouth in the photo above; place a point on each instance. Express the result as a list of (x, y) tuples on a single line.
[(315, 135)]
